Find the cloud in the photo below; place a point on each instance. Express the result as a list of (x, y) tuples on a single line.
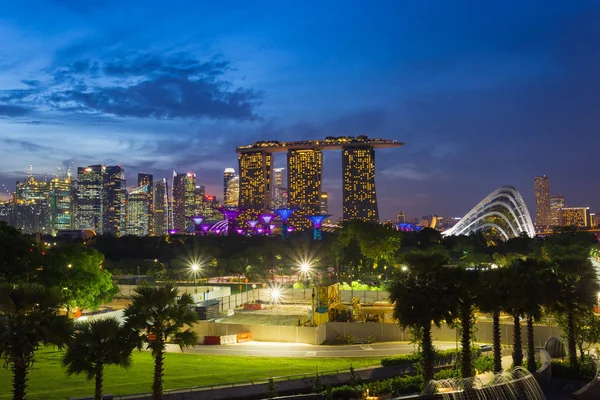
[(24, 145), (406, 171), (9, 110), (172, 86)]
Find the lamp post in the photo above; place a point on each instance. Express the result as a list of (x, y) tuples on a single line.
[(305, 270), (195, 268), (275, 294)]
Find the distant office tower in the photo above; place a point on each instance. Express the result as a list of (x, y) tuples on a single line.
[(61, 203), (184, 199), (114, 199), (323, 206), (360, 200), (279, 197), (557, 202), (148, 179), (255, 181), (401, 217), (593, 220), (31, 211), (161, 207), (305, 171), (575, 216), (542, 202), (228, 175), (89, 207), (233, 192), (138, 203)]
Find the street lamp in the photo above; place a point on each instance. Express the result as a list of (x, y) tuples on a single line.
[(195, 267), (305, 270), (275, 293)]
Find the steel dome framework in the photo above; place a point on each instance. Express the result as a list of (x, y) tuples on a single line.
[(503, 210)]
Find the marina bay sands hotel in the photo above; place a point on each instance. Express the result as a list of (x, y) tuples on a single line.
[(305, 171)]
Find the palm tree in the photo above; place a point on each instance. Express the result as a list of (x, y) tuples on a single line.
[(29, 317), (159, 316), (422, 297), (95, 345), (575, 290), (490, 299)]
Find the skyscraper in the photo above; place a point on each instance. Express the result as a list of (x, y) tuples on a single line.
[(305, 170), (114, 200), (575, 216), (542, 202), (148, 179), (233, 192), (61, 203), (255, 181), (557, 202), (138, 203), (401, 217), (323, 206), (227, 176), (279, 190), (161, 207), (184, 199), (89, 207), (358, 168)]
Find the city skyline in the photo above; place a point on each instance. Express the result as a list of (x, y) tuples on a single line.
[(482, 95)]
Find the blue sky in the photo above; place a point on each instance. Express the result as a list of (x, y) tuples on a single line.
[(482, 94)]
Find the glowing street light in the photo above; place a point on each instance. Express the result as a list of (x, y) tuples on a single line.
[(195, 268), (305, 270)]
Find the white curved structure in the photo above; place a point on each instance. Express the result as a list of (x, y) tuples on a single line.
[(503, 210)]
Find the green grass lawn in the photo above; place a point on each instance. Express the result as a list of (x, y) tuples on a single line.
[(47, 379)]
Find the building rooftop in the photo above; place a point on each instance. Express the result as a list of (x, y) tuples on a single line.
[(329, 143)]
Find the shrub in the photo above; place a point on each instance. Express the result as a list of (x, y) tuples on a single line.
[(586, 371), (271, 389), (346, 392), (344, 339), (406, 385), (446, 373), (484, 364)]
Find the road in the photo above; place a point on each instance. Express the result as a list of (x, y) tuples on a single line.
[(276, 349)]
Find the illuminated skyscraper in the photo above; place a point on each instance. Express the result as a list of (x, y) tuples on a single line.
[(324, 206), (138, 203), (233, 192), (358, 168), (542, 202), (32, 211), (305, 170), (401, 217), (279, 190), (184, 199), (557, 202), (148, 179), (161, 208), (89, 207), (61, 203), (575, 216), (114, 200), (255, 181), (227, 176)]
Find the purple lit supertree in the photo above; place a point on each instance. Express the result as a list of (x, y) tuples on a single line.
[(205, 228), (291, 229), (260, 230), (317, 222), (266, 219), (172, 231), (231, 214), (197, 220), (284, 214), (239, 231)]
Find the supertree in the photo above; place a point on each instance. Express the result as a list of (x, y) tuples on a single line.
[(231, 214), (197, 220), (317, 222), (284, 214), (266, 219)]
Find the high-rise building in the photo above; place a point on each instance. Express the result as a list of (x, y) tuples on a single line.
[(401, 217), (323, 206), (358, 167), (575, 216), (61, 203), (184, 199), (228, 175), (161, 213), (114, 201), (148, 179), (279, 189), (138, 203), (233, 192), (89, 207), (593, 223), (542, 202), (557, 202), (305, 170), (255, 182)]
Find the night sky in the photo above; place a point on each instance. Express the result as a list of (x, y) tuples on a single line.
[(482, 94)]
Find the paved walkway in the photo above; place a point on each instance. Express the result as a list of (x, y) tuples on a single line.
[(277, 349)]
